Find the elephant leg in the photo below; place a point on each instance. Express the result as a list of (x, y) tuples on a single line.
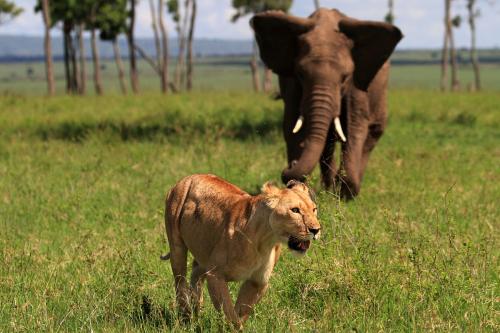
[(327, 161), (375, 131), (250, 294), (352, 159), (197, 279)]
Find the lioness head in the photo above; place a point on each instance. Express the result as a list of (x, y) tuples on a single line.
[(294, 214)]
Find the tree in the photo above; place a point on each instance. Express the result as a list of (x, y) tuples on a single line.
[(154, 26), (160, 65), (8, 11), (89, 13), (473, 14), (444, 53), (449, 51), (83, 62), (112, 22), (189, 74), (245, 7), (455, 83), (49, 68), (67, 13), (164, 46), (389, 18), (134, 76), (181, 22)]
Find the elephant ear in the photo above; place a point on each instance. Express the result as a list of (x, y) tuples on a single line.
[(374, 43), (276, 34)]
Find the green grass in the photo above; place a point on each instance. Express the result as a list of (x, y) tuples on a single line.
[(217, 74), (82, 184)]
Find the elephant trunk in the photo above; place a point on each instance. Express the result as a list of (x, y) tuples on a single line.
[(319, 112)]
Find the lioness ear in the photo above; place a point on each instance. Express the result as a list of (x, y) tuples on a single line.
[(272, 194), (302, 187)]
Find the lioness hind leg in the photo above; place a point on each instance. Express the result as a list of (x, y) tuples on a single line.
[(197, 279), (178, 261)]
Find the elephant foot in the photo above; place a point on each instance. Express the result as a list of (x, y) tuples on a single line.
[(346, 188), (328, 179)]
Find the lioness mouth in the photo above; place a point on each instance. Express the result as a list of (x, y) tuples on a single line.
[(298, 245)]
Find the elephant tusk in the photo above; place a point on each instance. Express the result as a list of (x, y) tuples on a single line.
[(338, 128), (298, 125)]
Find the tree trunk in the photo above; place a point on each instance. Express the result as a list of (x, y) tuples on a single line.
[(255, 68), (316, 4), (73, 62), (444, 54), (154, 26), (49, 67), (119, 66), (473, 50), (164, 44), (148, 59), (455, 84), (83, 65), (134, 78), (97, 66), (189, 83), (74, 65), (268, 80), (179, 68), (67, 70)]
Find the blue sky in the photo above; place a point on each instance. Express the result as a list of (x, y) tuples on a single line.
[(420, 20)]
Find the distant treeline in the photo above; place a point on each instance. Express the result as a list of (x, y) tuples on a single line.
[(400, 58), (236, 52), (31, 47)]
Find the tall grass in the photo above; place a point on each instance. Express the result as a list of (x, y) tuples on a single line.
[(82, 184)]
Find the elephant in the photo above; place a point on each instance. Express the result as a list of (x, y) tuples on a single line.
[(333, 73)]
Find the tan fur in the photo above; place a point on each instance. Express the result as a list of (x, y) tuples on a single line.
[(232, 236)]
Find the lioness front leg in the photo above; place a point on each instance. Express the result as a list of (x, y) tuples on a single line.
[(221, 298), (250, 294)]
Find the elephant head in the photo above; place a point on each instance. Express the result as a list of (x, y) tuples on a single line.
[(324, 54)]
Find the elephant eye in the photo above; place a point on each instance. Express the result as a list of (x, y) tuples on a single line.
[(295, 210)]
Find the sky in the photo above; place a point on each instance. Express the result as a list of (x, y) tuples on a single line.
[(420, 20)]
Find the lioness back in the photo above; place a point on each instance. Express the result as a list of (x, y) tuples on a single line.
[(201, 209)]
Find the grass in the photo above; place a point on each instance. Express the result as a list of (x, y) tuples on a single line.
[(82, 184), (217, 74)]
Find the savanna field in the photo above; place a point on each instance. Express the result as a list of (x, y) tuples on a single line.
[(82, 188)]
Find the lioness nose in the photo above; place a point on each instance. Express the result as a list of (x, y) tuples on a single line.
[(314, 231)]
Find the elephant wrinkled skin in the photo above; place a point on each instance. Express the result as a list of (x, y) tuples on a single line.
[(330, 67)]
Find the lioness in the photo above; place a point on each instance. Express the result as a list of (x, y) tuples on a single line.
[(233, 236)]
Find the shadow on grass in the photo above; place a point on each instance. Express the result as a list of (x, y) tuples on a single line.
[(153, 315), (151, 131)]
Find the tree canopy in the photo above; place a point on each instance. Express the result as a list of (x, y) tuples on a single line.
[(112, 19), (8, 11), (245, 7)]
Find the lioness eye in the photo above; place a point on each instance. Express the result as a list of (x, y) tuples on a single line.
[(296, 210)]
